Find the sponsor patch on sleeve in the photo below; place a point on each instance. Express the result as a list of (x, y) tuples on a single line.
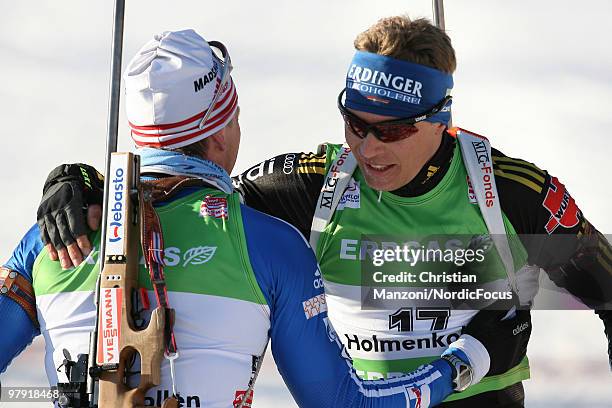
[(561, 206), (420, 397), (314, 306)]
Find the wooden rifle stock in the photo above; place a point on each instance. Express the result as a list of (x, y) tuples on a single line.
[(118, 337)]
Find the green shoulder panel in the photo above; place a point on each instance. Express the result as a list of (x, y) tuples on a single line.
[(331, 152), (205, 253), (48, 276)]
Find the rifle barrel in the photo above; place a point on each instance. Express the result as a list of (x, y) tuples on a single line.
[(438, 13), (111, 146)]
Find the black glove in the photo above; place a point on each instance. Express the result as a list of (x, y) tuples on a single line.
[(505, 340), (68, 190), (606, 317)]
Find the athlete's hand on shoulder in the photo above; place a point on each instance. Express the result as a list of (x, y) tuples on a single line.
[(71, 201)]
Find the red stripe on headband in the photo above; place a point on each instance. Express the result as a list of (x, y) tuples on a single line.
[(197, 116), (210, 120), (210, 123), (170, 125), (213, 121)]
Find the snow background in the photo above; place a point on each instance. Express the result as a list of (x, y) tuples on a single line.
[(535, 77)]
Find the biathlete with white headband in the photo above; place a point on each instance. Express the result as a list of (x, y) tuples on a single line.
[(403, 172), (235, 277)]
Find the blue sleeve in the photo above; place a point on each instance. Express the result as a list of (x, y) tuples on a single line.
[(17, 335), (309, 355)]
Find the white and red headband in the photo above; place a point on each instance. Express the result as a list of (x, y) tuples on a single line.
[(169, 86)]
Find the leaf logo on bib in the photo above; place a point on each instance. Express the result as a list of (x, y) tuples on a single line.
[(199, 255)]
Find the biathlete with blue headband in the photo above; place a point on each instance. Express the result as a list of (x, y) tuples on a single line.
[(405, 172)]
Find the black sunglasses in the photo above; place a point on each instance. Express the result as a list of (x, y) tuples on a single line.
[(387, 131)]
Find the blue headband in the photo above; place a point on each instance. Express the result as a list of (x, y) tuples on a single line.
[(390, 87)]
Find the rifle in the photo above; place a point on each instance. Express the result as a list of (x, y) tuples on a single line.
[(98, 379), (439, 21)]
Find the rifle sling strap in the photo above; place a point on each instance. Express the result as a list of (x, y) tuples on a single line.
[(18, 288), (152, 191)]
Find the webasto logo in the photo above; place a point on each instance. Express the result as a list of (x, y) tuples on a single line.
[(117, 207)]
